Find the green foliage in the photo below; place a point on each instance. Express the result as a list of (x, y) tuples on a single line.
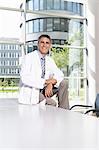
[(60, 55), (5, 82), (78, 36)]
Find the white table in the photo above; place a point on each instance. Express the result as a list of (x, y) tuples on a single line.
[(45, 127)]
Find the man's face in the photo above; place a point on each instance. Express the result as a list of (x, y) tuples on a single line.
[(44, 45)]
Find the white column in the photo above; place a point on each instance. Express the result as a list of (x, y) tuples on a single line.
[(23, 28)]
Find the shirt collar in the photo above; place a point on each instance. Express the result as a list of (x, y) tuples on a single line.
[(40, 55)]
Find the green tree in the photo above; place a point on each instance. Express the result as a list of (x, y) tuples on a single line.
[(60, 55)]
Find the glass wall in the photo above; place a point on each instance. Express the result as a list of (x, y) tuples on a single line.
[(68, 39), (71, 62)]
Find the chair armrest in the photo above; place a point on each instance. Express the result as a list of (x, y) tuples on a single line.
[(85, 106)]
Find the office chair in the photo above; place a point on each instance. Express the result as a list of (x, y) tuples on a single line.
[(94, 110)]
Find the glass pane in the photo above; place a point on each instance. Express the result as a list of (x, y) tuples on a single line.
[(49, 24), (56, 4), (56, 26), (74, 7), (36, 25), (30, 4), (71, 62), (78, 9), (41, 4), (75, 63), (41, 25), (30, 27), (36, 4), (75, 32), (64, 25), (49, 4), (69, 6), (77, 89)]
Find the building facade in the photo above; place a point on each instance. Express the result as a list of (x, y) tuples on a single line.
[(9, 58), (53, 17)]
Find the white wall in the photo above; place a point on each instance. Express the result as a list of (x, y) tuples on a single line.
[(93, 49)]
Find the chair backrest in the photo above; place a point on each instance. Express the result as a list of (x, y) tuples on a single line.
[(97, 105)]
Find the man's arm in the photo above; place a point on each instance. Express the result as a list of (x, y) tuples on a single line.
[(51, 81)]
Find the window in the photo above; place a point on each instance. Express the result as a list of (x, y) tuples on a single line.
[(69, 6), (74, 7), (36, 4), (49, 24), (30, 27), (30, 4), (49, 4), (56, 26), (41, 4), (41, 25), (36, 25), (57, 4)]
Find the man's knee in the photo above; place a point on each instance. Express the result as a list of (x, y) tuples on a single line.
[(50, 101)]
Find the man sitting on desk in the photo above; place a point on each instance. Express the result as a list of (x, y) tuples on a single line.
[(40, 71)]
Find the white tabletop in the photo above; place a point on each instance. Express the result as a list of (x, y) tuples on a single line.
[(45, 127)]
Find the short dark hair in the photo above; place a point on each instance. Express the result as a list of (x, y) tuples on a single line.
[(44, 35)]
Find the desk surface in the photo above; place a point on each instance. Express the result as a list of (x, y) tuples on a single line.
[(45, 127)]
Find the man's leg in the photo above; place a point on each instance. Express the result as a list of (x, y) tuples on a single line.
[(49, 101), (41, 97), (63, 95)]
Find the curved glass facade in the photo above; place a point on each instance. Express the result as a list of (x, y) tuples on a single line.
[(70, 26), (58, 25), (72, 7)]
